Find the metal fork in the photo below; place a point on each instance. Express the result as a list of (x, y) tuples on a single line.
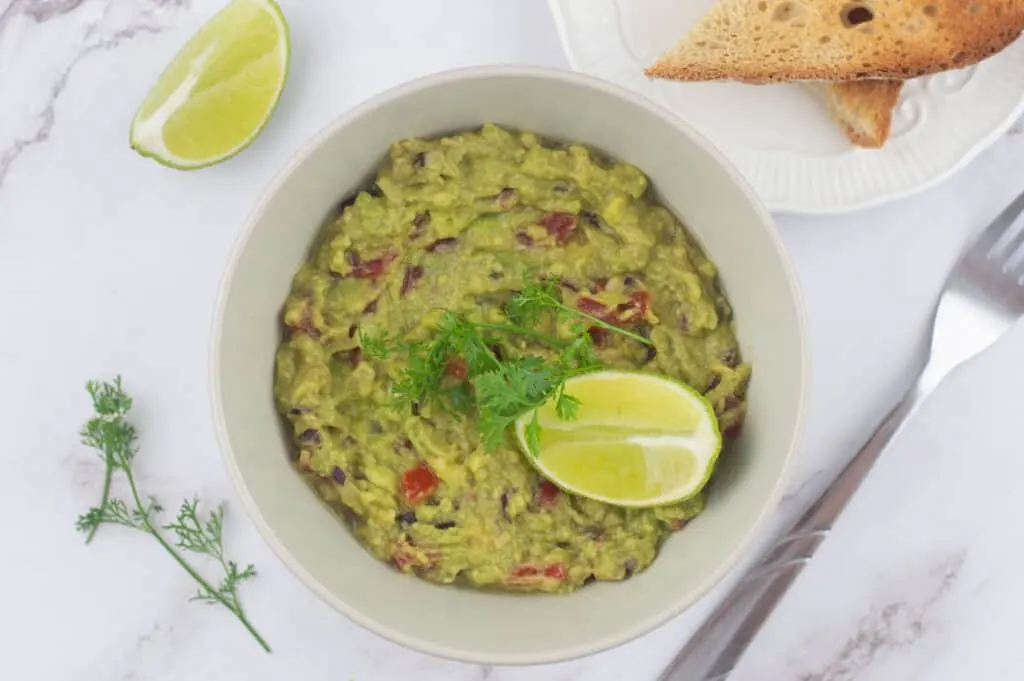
[(982, 298)]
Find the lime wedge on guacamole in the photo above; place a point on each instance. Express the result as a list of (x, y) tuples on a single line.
[(637, 440), (220, 90)]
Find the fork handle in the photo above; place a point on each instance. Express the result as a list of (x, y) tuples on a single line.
[(714, 650)]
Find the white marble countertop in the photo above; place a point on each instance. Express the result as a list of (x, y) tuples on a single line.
[(109, 264)]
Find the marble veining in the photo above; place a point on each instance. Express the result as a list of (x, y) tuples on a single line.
[(110, 29), (896, 624), (158, 634), (38, 10)]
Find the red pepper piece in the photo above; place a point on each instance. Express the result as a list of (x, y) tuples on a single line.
[(635, 309), (559, 225), (556, 571), (547, 493), (599, 336), (592, 307), (457, 368), (419, 483), (403, 560), (371, 269), (524, 571), (405, 556), (524, 574)]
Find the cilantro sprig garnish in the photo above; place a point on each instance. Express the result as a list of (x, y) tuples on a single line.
[(486, 377)]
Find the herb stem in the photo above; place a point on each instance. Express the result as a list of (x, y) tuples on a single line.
[(522, 331), (104, 498), (600, 322), (111, 434), (475, 331), (235, 608)]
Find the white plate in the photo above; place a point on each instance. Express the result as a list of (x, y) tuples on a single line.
[(780, 136)]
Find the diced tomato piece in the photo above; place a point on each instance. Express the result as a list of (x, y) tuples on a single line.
[(419, 483), (592, 307), (635, 309), (559, 225), (556, 571), (403, 560), (547, 493), (599, 336), (526, 574), (406, 555), (630, 312), (458, 368), (371, 269), (642, 299), (523, 571)]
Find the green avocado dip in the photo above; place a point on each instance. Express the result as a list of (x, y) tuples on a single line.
[(457, 224)]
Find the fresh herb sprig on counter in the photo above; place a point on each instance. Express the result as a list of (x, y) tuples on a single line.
[(463, 364), (111, 434)]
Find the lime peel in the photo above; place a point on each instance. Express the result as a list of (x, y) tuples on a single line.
[(669, 457), (238, 89)]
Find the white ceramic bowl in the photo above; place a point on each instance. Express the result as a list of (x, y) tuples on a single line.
[(694, 180)]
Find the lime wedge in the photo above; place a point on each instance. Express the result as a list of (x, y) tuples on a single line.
[(220, 90), (638, 440)]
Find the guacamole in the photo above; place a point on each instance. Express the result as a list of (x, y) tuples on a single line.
[(459, 223)]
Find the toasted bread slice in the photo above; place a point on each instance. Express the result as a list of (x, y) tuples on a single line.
[(862, 108), (761, 41)]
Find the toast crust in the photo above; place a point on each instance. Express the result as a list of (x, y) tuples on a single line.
[(863, 109), (765, 41)]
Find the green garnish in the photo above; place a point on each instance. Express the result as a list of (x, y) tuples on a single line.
[(110, 434), (501, 388)]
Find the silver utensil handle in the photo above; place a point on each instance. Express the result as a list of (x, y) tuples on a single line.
[(716, 647)]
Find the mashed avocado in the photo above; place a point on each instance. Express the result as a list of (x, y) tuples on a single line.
[(457, 223)]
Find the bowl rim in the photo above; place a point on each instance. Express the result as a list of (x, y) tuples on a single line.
[(635, 629)]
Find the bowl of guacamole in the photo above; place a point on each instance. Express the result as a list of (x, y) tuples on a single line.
[(443, 199)]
